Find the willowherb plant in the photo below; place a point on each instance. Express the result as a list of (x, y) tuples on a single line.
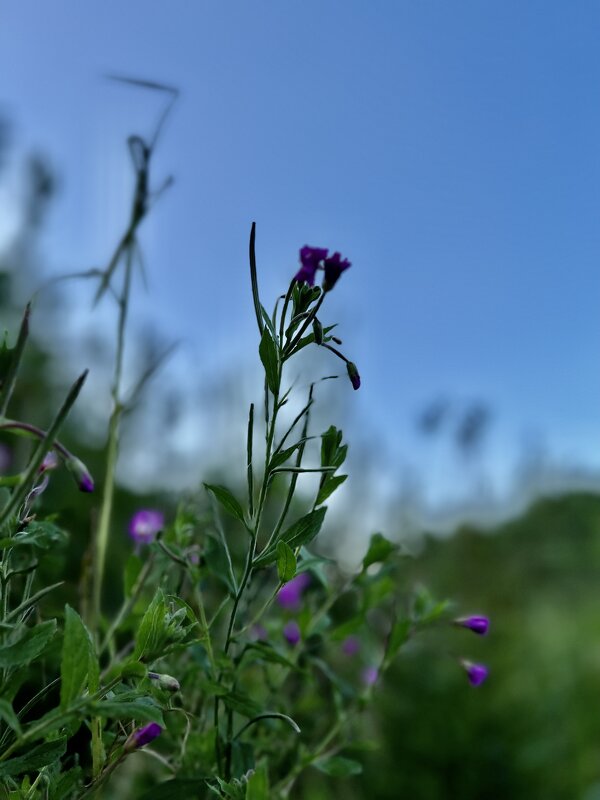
[(240, 657)]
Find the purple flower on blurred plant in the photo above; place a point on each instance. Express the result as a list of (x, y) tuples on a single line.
[(370, 676), (143, 736), (477, 624), (353, 375), (292, 632), (333, 266), (476, 673), (310, 258), (145, 524), (290, 593), (350, 646)]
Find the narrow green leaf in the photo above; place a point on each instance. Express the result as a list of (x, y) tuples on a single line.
[(151, 631), (7, 713), (338, 766), (286, 562), (227, 500), (34, 759), (301, 532), (141, 710), (268, 353), (241, 703), (39, 534), (77, 655), (254, 278), (29, 646), (329, 487), (304, 530)]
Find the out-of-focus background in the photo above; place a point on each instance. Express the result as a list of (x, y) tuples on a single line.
[(450, 151)]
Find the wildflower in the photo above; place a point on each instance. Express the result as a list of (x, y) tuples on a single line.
[(290, 593), (353, 375), (292, 632), (477, 624), (164, 681), (350, 646), (142, 736), (333, 266), (476, 673), (145, 524), (310, 258), (370, 676)]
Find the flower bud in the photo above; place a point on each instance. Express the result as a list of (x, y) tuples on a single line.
[(353, 375), (317, 331), (164, 681), (476, 673), (81, 473), (142, 736), (477, 624)]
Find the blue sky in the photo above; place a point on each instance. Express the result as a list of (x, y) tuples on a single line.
[(449, 150)]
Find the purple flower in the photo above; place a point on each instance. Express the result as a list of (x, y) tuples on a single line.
[(351, 646), (333, 266), (476, 673), (145, 524), (370, 676), (290, 593), (477, 624), (310, 258), (143, 736), (353, 375), (292, 632)]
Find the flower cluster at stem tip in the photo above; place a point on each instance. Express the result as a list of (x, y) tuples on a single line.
[(315, 258)]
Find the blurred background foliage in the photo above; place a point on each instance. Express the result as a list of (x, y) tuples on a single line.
[(531, 731)]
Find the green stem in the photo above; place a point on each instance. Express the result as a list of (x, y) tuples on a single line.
[(103, 531)]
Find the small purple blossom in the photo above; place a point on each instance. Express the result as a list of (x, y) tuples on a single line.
[(477, 624), (351, 646), (353, 375), (310, 258), (370, 676), (143, 736), (290, 594), (333, 266), (476, 673), (145, 524), (291, 632)]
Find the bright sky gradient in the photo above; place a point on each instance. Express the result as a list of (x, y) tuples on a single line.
[(451, 150)]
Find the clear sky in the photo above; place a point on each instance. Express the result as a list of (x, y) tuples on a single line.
[(451, 150)]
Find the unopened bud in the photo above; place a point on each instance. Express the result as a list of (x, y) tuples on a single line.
[(164, 681), (353, 375), (81, 474)]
